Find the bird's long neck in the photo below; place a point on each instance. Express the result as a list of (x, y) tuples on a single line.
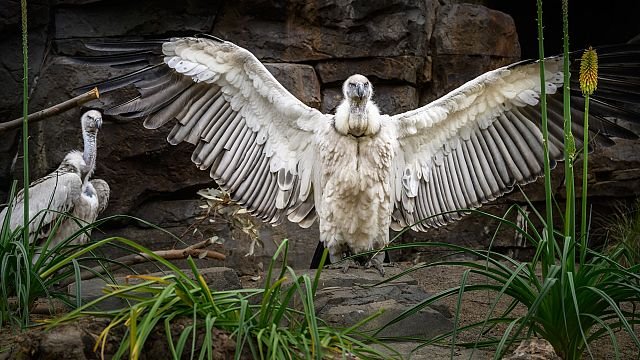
[(89, 154), (358, 120)]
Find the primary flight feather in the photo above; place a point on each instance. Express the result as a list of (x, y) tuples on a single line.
[(357, 171)]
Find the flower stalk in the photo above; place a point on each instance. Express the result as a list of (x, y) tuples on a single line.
[(588, 84)]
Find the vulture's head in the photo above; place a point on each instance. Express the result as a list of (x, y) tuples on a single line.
[(91, 121), (357, 89)]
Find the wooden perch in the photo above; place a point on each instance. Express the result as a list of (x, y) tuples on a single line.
[(53, 110), (196, 250)]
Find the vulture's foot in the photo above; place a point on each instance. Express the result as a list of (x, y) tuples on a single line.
[(344, 265), (376, 262)]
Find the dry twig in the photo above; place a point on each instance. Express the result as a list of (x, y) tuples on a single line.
[(53, 110), (196, 250)]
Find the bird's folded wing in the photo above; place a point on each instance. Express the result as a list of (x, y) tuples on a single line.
[(49, 197), (256, 138), (475, 143)]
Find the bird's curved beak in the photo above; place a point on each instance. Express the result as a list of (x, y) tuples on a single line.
[(99, 123), (360, 91)]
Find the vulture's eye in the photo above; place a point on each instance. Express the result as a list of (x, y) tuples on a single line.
[(352, 85), (366, 85)]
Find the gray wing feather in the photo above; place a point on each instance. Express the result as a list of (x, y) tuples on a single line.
[(246, 127), (475, 143), (49, 196)]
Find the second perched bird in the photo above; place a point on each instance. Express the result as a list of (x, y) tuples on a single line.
[(66, 190)]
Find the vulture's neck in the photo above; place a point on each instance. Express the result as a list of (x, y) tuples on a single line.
[(89, 154), (357, 118)]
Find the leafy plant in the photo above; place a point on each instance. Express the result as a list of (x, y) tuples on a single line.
[(569, 302), (29, 273), (262, 322)]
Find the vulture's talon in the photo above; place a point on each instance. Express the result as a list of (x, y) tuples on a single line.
[(377, 262)]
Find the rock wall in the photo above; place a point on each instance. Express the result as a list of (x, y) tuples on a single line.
[(412, 50)]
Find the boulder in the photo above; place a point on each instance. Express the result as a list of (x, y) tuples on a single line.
[(467, 29), (146, 17), (303, 31), (410, 69), (300, 80), (344, 299)]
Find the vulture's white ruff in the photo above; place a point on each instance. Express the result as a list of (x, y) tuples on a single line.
[(66, 190), (358, 171)]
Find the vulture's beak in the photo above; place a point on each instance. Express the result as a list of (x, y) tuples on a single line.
[(360, 90)]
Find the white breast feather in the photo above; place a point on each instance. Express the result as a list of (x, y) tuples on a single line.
[(355, 203)]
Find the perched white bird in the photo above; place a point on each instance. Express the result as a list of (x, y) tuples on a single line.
[(66, 190), (358, 171)]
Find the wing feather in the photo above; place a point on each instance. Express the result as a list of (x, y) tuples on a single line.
[(491, 185), (246, 127), (49, 196), (456, 191), (475, 143)]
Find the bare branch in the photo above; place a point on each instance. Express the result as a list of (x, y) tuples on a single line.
[(53, 110), (196, 250)]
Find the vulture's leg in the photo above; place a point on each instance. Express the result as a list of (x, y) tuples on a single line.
[(315, 261), (317, 256), (377, 261), (338, 261)]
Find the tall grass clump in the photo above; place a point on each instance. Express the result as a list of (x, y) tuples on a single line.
[(14, 245), (569, 301), (623, 232), (264, 323), (27, 272), (31, 273)]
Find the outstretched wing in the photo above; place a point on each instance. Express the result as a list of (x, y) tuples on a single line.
[(49, 196), (477, 142), (255, 137)]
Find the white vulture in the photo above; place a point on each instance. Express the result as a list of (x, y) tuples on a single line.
[(68, 189), (357, 171)]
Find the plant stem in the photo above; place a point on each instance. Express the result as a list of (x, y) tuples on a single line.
[(569, 141), (585, 163), (549, 257), (25, 123)]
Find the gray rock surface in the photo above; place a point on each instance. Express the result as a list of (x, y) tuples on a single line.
[(303, 31), (344, 307), (344, 299), (300, 80), (433, 352), (411, 69)]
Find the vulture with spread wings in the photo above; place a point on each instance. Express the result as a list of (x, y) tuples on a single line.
[(357, 171)]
